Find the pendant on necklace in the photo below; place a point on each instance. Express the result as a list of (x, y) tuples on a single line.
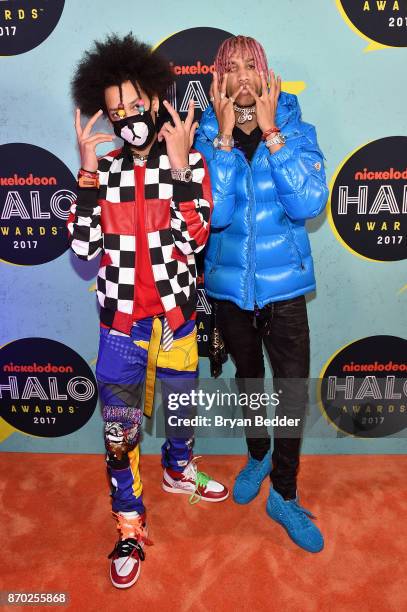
[(244, 113)]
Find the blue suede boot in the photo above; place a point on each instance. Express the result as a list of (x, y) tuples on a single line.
[(296, 521), (248, 481)]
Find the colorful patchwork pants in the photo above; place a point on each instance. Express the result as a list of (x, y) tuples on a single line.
[(121, 371)]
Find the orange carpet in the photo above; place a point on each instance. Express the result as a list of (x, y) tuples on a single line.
[(57, 532)]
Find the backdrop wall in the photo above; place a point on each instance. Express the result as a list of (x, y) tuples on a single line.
[(354, 91)]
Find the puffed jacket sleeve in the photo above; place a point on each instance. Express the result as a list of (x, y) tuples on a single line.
[(222, 170), (299, 175)]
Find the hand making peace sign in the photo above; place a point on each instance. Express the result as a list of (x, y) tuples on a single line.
[(87, 142), (266, 103), (223, 106), (178, 137)]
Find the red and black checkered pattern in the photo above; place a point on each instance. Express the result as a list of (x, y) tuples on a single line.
[(103, 225)]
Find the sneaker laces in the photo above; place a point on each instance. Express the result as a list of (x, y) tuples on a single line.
[(252, 467), (133, 535), (302, 513), (201, 479)]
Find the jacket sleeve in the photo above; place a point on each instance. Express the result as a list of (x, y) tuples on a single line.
[(84, 229), (299, 175), (222, 169), (191, 208)]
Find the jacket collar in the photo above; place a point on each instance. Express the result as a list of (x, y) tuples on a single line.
[(158, 148), (288, 110)]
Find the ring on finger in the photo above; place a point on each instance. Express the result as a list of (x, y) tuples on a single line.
[(212, 99), (222, 95)]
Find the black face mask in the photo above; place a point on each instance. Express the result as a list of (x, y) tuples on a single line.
[(137, 130)]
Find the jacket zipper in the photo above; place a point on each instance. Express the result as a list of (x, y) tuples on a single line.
[(148, 246), (249, 298), (135, 237)]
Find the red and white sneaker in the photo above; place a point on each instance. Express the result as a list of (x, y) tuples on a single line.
[(128, 552), (194, 483)]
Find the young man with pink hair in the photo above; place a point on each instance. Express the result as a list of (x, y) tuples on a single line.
[(267, 178)]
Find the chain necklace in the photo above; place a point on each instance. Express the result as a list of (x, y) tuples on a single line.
[(245, 113), (139, 160)]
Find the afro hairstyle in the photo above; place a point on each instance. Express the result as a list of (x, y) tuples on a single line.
[(113, 62)]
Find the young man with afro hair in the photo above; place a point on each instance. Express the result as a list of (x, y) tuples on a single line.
[(145, 208)]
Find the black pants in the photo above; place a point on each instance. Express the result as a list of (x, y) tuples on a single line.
[(283, 328)]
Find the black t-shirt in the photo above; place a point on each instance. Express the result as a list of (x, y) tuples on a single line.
[(247, 143)]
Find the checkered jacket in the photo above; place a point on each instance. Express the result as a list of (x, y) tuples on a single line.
[(177, 217)]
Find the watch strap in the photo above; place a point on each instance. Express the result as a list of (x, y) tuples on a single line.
[(277, 138), (221, 140), (182, 174)]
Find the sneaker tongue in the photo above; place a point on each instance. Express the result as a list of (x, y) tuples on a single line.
[(190, 471)]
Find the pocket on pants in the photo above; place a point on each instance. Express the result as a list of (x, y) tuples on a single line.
[(118, 358), (183, 355)]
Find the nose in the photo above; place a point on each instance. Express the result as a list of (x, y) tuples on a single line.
[(243, 76)]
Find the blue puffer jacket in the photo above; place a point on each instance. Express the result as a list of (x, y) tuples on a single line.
[(258, 251)]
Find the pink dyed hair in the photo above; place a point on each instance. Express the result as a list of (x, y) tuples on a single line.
[(245, 45)]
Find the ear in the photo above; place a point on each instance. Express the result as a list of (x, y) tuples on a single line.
[(155, 104)]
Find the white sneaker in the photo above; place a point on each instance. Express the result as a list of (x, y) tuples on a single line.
[(196, 484)]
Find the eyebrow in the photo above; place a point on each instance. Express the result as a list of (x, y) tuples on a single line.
[(249, 59), (130, 104)]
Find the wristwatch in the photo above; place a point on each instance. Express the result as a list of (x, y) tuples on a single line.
[(276, 139), (223, 141), (182, 174)]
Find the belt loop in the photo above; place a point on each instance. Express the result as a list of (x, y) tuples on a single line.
[(152, 356), (168, 336)]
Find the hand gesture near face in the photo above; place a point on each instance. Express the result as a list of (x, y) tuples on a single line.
[(223, 106), (266, 103), (180, 136), (87, 142)]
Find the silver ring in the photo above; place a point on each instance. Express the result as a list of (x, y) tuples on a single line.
[(232, 100), (212, 99), (222, 95)]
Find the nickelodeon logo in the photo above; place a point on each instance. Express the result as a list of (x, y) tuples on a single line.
[(28, 180), (197, 68), (34, 367), (380, 175)]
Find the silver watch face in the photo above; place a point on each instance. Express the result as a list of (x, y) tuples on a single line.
[(188, 175), (277, 139)]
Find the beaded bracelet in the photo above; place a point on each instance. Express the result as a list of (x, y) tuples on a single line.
[(273, 130), (89, 180)]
